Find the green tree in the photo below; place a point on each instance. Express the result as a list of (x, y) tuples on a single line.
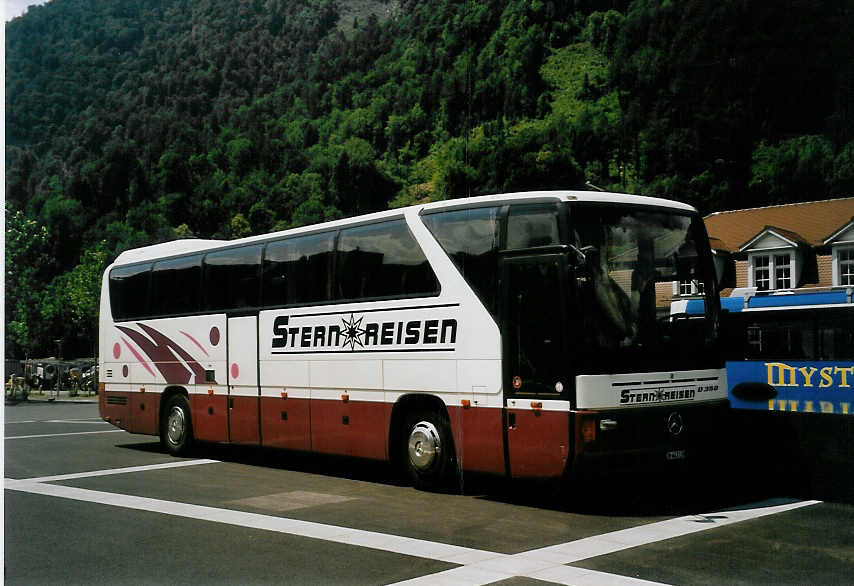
[(28, 266), (800, 167)]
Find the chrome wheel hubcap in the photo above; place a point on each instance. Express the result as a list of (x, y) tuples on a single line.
[(424, 446), (175, 426)]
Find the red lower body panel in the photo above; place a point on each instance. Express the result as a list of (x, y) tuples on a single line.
[(115, 408), (350, 428), (538, 443), (286, 423), (478, 438), (243, 420), (144, 411), (210, 417)]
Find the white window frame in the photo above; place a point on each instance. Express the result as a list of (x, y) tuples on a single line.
[(692, 288), (773, 256), (839, 264)]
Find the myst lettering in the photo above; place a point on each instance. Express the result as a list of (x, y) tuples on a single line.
[(826, 378), (844, 372), (784, 375), (807, 373), (781, 370)]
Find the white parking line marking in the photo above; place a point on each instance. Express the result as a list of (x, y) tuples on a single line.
[(94, 420), (98, 420), (548, 563), (13, 437), (112, 471), (477, 567), (381, 541)]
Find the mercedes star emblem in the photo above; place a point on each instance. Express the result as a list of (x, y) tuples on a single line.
[(675, 424)]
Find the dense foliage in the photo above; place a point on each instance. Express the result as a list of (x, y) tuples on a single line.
[(130, 123)]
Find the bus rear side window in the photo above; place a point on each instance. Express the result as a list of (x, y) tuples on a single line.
[(470, 237), (529, 226), (233, 278), (382, 260), (176, 286), (129, 291), (297, 270)]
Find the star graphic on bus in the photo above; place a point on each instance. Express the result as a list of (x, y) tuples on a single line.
[(352, 332)]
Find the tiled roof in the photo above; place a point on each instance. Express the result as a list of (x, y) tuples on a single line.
[(811, 222), (787, 234)]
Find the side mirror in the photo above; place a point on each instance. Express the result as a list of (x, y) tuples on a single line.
[(581, 254)]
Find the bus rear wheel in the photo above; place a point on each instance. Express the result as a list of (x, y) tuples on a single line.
[(427, 450), (176, 427)]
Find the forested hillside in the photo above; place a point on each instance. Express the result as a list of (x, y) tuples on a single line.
[(130, 123)]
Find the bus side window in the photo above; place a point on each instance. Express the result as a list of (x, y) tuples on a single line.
[(176, 286), (129, 291), (298, 270), (529, 226), (232, 278), (470, 238), (382, 260)]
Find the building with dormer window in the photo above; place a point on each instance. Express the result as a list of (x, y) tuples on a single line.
[(786, 247)]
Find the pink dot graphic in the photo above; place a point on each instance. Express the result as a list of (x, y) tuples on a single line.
[(117, 350), (235, 370)]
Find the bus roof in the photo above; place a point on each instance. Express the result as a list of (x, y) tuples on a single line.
[(188, 246), (769, 301)]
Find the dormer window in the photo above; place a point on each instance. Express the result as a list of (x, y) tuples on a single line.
[(845, 258), (842, 246), (783, 271), (771, 272), (774, 259)]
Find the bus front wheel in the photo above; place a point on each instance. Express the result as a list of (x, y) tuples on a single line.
[(176, 427), (427, 450)]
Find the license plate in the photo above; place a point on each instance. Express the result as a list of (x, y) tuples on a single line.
[(675, 455)]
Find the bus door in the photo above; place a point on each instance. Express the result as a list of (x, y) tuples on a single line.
[(243, 390), (536, 364)]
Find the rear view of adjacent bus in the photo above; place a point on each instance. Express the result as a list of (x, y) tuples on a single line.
[(524, 335)]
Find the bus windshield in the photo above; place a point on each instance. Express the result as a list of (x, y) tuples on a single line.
[(634, 261)]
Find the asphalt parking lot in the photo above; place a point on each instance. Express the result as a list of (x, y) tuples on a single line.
[(86, 503)]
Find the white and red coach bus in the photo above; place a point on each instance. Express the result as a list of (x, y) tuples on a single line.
[(515, 334)]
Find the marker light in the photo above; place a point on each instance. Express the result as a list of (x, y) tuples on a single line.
[(588, 430), (465, 403), (284, 395)]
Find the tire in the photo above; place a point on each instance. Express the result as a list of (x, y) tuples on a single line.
[(176, 426), (427, 450)]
